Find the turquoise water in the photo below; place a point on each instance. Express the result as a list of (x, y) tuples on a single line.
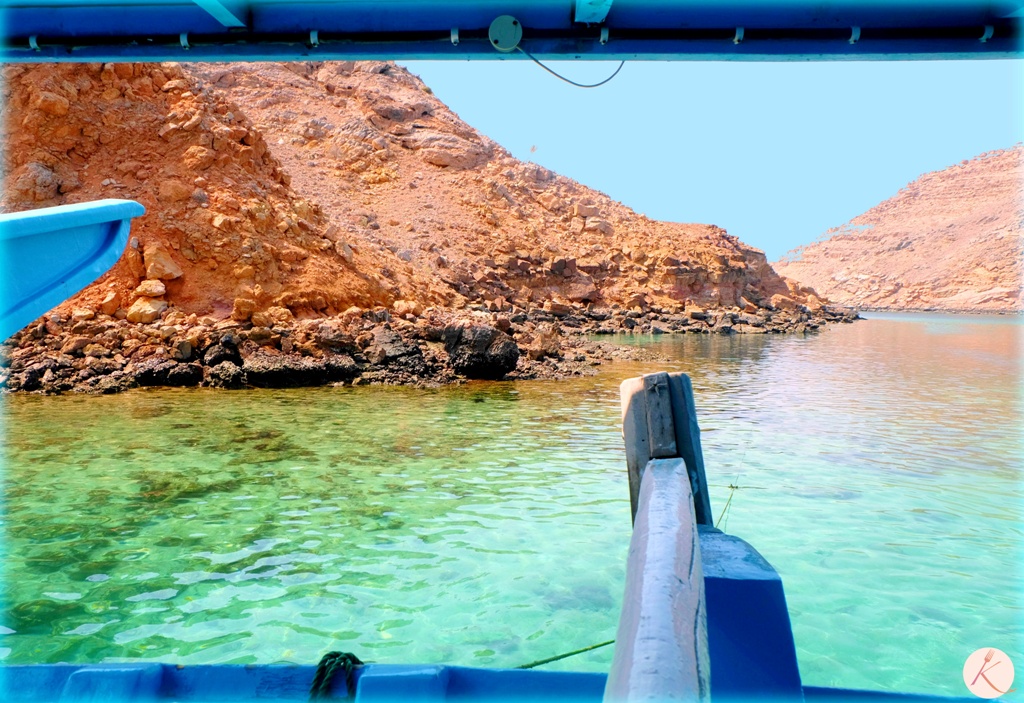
[(879, 468)]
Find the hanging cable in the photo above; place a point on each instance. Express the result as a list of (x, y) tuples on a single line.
[(567, 80)]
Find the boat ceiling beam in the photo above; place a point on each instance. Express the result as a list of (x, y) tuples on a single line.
[(592, 11), (601, 30), (230, 13)]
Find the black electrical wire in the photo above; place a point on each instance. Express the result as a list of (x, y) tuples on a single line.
[(561, 77)]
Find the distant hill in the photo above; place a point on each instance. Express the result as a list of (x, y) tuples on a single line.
[(951, 240)]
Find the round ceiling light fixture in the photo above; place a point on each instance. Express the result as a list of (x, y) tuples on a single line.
[(505, 33)]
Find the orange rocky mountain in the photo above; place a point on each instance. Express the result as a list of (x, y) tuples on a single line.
[(320, 186), (335, 221), (951, 240), (221, 225)]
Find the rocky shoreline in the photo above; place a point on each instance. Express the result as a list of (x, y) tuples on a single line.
[(90, 352)]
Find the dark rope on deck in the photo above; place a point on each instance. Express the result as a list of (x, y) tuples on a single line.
[(329, 665)]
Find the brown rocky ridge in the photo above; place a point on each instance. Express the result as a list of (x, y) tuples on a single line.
[(335, 222), (951, 240)]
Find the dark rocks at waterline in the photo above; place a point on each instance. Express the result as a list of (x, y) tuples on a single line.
[(116, 382), (224, 375), (700, 321), (263, 370), (385, 345), (35, 375), (480, 351), (153, 372), (225, 350), (184, 375), (393, 358), (432, 348)]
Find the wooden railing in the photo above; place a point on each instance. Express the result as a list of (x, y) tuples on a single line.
[(661, 650), (659, 421)]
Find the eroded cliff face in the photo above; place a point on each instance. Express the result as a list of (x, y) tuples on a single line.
[(315, 187), (222, 228), (311, 223), (951, 240)]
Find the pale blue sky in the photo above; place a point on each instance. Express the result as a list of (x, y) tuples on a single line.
[(776, 153)]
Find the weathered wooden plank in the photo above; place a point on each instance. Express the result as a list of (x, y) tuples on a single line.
[(661, 650), (687, 435), (660, 428), (634, 434), (659, 420)]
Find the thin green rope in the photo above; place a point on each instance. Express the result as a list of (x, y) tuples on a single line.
[(725, 509), (566, 655)]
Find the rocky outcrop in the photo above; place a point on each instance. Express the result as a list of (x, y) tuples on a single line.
[(315, 187), (480, 351), (951, 240), (108, 355), (395, 172), (264, 369), (326, 223), (222, 230)]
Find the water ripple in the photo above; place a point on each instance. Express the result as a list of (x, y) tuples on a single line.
[(878, 465)]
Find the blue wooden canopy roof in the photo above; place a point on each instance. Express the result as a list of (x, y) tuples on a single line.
[(210, 30)]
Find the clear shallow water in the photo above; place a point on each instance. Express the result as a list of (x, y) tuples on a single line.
[(879, 467)]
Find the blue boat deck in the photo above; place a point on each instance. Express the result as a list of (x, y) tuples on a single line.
[(375, 683)]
